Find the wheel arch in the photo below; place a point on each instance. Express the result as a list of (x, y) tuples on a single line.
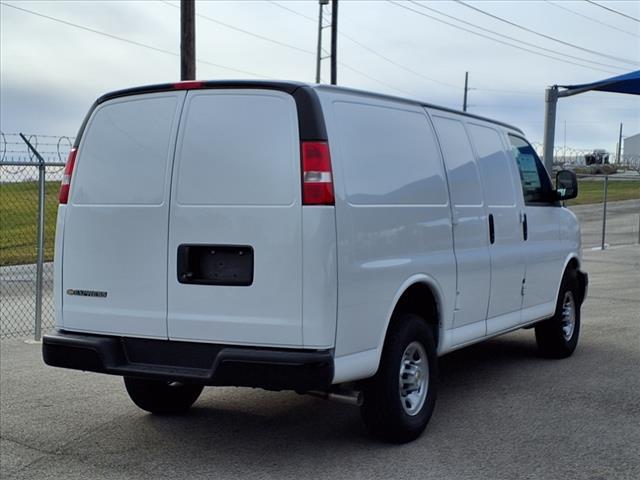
[(571, 262), (422, 295)]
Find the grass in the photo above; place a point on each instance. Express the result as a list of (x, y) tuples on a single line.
[(19, 220), (19, 214), (592, 191)]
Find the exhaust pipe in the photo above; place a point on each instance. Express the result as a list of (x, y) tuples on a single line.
[(350, 397)]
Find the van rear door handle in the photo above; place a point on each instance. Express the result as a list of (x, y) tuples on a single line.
[(492, 233), (525, 230)]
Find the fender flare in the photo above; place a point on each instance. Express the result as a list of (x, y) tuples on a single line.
[(569, 257), (436, 289)]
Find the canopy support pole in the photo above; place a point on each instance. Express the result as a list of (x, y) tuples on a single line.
[(627, 83), (550, 103)]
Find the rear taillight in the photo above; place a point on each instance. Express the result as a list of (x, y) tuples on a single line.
[(317, 181), (66, 177)]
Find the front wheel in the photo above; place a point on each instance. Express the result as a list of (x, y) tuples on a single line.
[(162, 397), (557, 337), (400, 398)]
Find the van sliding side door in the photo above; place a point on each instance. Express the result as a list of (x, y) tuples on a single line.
[(470, 228), (506, 244)]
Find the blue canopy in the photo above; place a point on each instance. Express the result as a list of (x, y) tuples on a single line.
[(627, 83)]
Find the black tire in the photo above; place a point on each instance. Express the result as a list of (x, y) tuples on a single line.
[(382, 411), (162, 397), (554, 336)]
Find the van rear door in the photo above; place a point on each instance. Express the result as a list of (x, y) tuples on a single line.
[(235, 238), (114, 273)]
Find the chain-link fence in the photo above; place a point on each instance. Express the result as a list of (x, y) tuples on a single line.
[(609, 210), (610, 216), (29, 184)]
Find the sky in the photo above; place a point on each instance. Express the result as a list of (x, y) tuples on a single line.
[(51, 72)]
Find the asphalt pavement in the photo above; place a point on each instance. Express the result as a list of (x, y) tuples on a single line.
[(622, 223), (503, 412)]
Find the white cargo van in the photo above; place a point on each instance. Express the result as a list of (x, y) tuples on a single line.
[(303, 237)]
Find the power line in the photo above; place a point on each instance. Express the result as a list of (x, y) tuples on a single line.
[(247, 32), (295, 12), (548, 37), (508, 92), (169, 52), (359, 72), (592, 19), (267, 39), (115, 37), (126, 40), (372, 51), (513, 38), (399, 65), (497, 40), (362, 45), (614, 11), (348, 67)]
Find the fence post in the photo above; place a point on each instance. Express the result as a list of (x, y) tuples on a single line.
[(604, 210), (40, 265), (40, 261)]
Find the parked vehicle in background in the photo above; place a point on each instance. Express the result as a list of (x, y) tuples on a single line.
[(304, 237), (597, 157)]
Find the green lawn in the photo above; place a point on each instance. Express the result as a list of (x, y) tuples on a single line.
[(19, 214), (19, 219), (592, 191)]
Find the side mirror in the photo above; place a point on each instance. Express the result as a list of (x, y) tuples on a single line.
[(566, 185)]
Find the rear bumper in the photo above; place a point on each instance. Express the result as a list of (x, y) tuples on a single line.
[(202, 363)]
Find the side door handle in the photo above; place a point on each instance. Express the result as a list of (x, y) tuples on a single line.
[(492, 233), (525, 229)]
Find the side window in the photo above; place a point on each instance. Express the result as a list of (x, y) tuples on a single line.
[(536, 185)]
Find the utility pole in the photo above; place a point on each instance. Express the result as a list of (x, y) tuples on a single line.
[(187, 40), (618, 159), (334, 42), (321, 4), (466, 88)]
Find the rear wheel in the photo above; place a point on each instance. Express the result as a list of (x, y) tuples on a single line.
[(162, 397), (400, 398), (557, 337)]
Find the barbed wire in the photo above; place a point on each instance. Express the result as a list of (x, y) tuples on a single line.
[(53, 148), (582, 156)]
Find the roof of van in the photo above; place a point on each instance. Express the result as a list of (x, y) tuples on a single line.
[(285, 86), (411, 101)]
